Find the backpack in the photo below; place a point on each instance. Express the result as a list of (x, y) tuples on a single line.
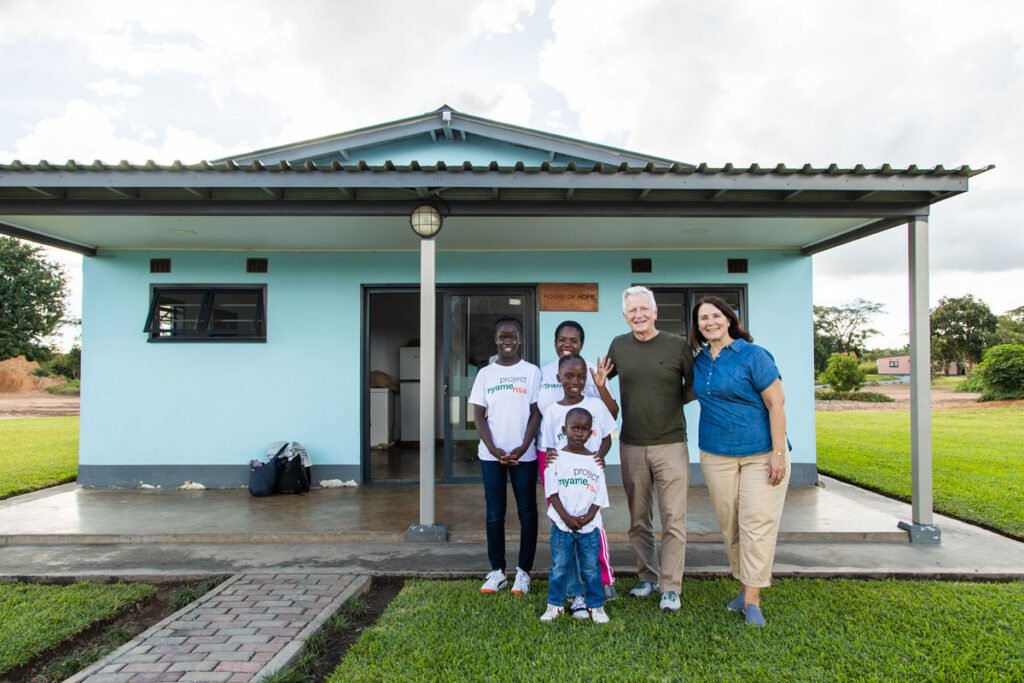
[(293, 470)]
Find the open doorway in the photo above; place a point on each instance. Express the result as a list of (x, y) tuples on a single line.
[(465, 319)]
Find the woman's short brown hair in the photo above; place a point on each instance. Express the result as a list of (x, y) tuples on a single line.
[(736, 331)]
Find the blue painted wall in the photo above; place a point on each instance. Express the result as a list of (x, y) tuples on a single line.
[(218, 404)]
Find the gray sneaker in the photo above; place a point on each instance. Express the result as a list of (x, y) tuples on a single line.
[(669, 601), (610, 594), (643, 589)]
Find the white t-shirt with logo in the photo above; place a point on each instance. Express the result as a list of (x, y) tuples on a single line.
[(579, 482), (551, 389), (506, 391), (552, 436)]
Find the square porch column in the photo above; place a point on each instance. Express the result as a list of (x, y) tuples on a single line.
[(921, 528)]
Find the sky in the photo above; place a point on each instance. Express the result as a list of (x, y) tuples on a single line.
[(794, 81)]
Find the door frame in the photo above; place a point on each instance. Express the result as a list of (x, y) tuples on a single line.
[(531, 350)]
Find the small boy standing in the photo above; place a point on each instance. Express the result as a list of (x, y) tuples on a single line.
[(575, 486)]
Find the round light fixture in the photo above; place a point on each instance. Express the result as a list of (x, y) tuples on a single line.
[(426, 221)]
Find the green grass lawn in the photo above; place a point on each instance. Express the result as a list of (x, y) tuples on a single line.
[(947, 381), (977, 456), (818, 630), (36, 453), (36, 617)]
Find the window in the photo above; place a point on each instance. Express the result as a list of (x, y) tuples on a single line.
[(894, 364), (203, 313), (675, 303)]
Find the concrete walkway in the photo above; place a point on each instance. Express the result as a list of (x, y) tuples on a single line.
[(246, 628)]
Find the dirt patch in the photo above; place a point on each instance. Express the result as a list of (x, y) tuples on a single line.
[(336, 644), (134, 618), (942, 397), (16, 376), (37, 404), (22, 393)]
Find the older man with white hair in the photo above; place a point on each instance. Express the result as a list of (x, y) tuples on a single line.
[(655, 371)]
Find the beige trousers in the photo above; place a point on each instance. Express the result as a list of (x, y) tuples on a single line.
[(663, 471), (748, 509)]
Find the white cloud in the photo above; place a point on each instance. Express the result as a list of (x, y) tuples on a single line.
[(806, 81), (86, 132), (318, 68), (111, 87)]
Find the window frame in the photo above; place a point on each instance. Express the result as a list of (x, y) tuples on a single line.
[(202, 333), (690, 291)]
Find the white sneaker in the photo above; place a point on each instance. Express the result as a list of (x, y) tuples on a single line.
[(551, 613), (643, 589), (579, 608), (669, 601), (599, 616), (522, 584), (495, 582)]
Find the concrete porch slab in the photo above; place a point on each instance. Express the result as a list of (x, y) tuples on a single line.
[(70, 515), (966, 552)]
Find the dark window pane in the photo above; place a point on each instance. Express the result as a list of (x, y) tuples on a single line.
[(672, 313), (235, 312), (177, 313)]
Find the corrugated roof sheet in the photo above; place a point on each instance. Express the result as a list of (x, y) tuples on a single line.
[(229, 166)]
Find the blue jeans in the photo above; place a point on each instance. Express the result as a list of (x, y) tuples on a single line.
[(584, 549), (524, 487)]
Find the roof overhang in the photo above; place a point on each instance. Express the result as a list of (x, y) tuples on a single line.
[(355, 206)]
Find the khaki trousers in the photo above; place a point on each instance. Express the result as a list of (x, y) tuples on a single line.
[(663, 470), (748, 509)]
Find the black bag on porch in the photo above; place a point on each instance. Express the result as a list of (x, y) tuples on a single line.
[(263, 475), (293, 474)]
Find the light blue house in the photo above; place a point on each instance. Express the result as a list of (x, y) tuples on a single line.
[(232, 303)]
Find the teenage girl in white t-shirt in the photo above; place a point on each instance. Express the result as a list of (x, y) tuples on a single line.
[(504, 400)]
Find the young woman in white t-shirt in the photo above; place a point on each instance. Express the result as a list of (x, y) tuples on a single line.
[(504, 400)]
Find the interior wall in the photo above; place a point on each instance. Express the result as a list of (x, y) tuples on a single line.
[(394, 323)]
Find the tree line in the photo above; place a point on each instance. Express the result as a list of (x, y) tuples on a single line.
[(965, 334)]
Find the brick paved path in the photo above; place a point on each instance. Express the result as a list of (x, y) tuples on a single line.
[(249, 626)]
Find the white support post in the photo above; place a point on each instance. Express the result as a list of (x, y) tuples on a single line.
[(428, 351), (922, 528), (427, 530)]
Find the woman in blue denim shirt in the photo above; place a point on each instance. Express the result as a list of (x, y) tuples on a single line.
[(743, 448)]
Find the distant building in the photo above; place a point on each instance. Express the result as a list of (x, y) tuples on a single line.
[(894, 365)]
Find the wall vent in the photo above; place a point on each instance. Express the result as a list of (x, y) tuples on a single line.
[(256, 265), (641, 265), (736, 265), (159, 265)]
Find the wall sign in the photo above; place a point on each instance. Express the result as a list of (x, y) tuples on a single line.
[(568, 296)]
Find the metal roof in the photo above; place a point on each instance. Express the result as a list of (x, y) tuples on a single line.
[(324, 178)]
